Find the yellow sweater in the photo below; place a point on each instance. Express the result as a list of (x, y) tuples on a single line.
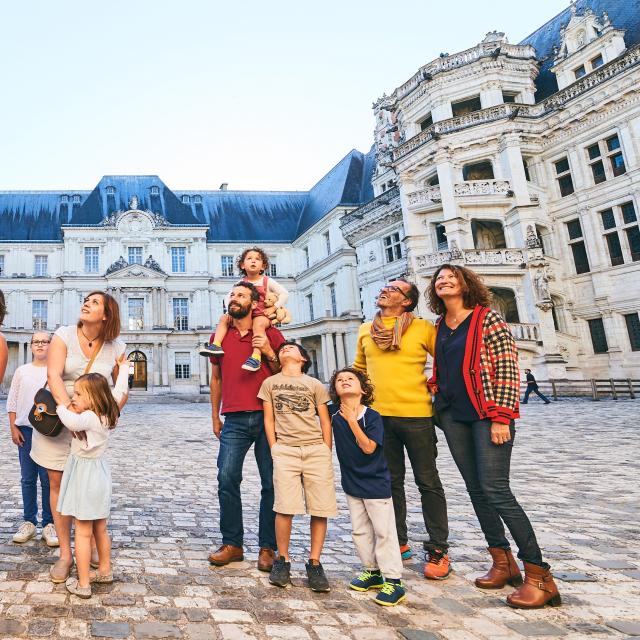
[(398, 377)]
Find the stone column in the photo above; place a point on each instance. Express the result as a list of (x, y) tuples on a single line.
[(154, 307), (331, 355), (325, 357), (203, 364), (513, 167), (157, 381), (342, 360), (165, 365), (162, 304)]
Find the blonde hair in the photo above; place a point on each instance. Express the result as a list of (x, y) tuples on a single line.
[(101, 400)]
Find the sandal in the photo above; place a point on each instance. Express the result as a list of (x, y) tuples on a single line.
[(74, 587), (95, 577), (60, 571), (95, 559)]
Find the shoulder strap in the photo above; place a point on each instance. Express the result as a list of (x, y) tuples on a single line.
[(93, 357)]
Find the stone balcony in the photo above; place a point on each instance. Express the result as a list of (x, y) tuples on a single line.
[(525, 332), (514, 258), (423, 198), (472, 188), (383, 209)]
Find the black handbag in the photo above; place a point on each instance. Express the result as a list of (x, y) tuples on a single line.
[(43, 415)]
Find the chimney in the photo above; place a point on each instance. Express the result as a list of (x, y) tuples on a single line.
[(224, 186)]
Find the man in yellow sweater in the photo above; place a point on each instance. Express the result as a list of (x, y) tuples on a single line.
[(393, 351)]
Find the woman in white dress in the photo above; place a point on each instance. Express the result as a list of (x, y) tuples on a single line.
[(72, 349)]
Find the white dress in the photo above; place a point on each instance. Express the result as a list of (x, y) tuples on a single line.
[(85, 490), (52, 453)]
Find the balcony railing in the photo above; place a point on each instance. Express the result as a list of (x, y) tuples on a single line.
[(427, 196), (387, 202), (482, 188), (479, 257), (525, 331)]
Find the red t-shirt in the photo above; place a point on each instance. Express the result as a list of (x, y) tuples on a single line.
[(239, 387)]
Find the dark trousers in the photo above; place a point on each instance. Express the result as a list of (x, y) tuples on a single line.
[(241, 430), (485, 470), (418, 437), (29, 474), (535, 390)]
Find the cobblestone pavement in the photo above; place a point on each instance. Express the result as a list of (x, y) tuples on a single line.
[(575, 469)]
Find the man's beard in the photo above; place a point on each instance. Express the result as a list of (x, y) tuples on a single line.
[(238, 313)]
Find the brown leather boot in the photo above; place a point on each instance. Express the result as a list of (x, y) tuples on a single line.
[(225, 554), (538, 589), (504, 570), (266, 557)]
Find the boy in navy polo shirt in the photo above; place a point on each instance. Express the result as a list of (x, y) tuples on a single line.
[(359, 434)]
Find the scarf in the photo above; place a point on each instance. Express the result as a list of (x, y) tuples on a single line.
[(389, 339)]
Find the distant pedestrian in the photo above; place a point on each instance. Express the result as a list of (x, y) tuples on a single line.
[(359, 437), (27, 379), (532, 386), (298, 429), (476, 384)]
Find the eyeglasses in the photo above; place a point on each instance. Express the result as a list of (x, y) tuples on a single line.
[(40, 343), (392, 287)]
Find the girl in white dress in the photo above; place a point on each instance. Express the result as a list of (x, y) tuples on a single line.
[(85, 491)]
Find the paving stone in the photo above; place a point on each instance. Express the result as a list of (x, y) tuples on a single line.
[(156, 630), (536, 628), (235, 632), (418, 634), (200, 632), (632, 574), (288, 632), (10, 627), (41, 627), (630, 627), (452, 606), (573, 576), (613, 564), (110, 629)]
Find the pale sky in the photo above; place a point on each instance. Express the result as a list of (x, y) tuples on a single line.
[(262, 95)]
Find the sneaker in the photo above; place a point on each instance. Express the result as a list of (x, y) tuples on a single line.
[(211, 350), (405, 551), (280, 572), (392, 593), (437, 565), (50, 536), (317, 579), (26, 531), (252, 364), (367, 580)]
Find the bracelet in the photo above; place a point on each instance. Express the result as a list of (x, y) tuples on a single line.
[(274, 359)]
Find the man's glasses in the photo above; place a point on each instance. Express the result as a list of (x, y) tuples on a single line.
[(40, 343), (392, 287)]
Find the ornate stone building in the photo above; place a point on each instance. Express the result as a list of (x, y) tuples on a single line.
[(519, 160)]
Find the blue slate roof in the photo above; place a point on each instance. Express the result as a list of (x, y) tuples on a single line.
[(624, 14), (232, 216)]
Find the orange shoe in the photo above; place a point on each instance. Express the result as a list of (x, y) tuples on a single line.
[(405, 551), (437, 566)]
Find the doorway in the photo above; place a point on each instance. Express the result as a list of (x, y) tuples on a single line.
[(137, 372)]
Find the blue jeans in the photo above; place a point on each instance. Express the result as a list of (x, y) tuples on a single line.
[(485, 467), (241, 429), (29, 474), (537, 392)]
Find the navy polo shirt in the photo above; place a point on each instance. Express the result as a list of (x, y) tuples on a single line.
[(452, 391), (363, 475)]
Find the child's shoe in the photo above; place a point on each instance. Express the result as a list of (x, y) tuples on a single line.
[(367, 580), (74, 587), (50, 536), (252, 364), (317, 578), (211, 350), (405, 551), (391, 594), (94, 576), (280, 572)]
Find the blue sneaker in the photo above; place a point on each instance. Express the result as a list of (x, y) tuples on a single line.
[(405, 552), (251, 364), (391, 594), (367, 580)]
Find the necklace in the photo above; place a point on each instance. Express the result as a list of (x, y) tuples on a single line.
[(90, 341)]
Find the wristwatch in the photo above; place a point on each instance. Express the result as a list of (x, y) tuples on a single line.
[(274, 359)]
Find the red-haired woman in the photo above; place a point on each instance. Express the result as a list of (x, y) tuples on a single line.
[(476, 385), (93, 339)]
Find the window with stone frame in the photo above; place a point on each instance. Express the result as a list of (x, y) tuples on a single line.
[(509, 96), (596, 62), (621, 232), (605, 159), (226, 265), (310, 306), (578, 248), (273, 267), (563, 176), (327, 242), (91, 259), (468, 105), (633, 329), (40, 266), (392, 247), (426, 122), (135, 255), (39, 313), (598, 335), (580, 72), (441, 237), (482, 170), (135, 307), (178, 259), (182, 365), (180, 314), (305, 251), (1, 264), (332, 299)]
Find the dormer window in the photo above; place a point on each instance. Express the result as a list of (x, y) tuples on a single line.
[(111, 191), (197, 199), (64, 199), (76, 199), (155, 191), (580, 72), (185, 199), (597, 62)]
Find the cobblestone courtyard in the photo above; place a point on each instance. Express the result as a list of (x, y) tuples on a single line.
[(582, 460)]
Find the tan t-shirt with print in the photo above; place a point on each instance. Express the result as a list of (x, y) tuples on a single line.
[(295, 401)]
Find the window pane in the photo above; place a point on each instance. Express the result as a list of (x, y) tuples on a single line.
[(633, 237), (566, 185), (136, 314), (39, 314), (91, 259), (562, 166), (580, 258), (226, 263), (180, 314), (633, 328), (613, 143), (628, 212), (597, 62), (615, 250), (478, 171), (594, 151), (135, 255), (598, 336), (597, 168), (608, 219), (427, 122), (580, 72), (574, 229), (178, 259), (617, 164)]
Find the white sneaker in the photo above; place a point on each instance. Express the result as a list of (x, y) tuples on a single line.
[(50, 536), (25, 532)]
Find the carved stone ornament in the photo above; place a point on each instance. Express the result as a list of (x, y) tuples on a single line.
[(541, 285), (372, 256), (120, 263), (133, 202), (150, 263), (533, 242), (456, 254)]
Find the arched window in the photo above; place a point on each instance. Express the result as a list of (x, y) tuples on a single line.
[(504, 302), (482, 170)]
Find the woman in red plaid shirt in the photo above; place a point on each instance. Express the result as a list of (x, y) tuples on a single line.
[(476, 385)]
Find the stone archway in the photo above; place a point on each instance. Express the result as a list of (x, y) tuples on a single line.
[(137, 377)]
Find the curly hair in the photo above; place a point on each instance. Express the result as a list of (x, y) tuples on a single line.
[(474, 290), (258, 250), (365, 385), (3, 308)]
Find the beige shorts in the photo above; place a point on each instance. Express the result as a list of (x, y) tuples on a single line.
[(303, 480)]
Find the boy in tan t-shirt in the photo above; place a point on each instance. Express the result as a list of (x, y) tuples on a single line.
[(301, 449)]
